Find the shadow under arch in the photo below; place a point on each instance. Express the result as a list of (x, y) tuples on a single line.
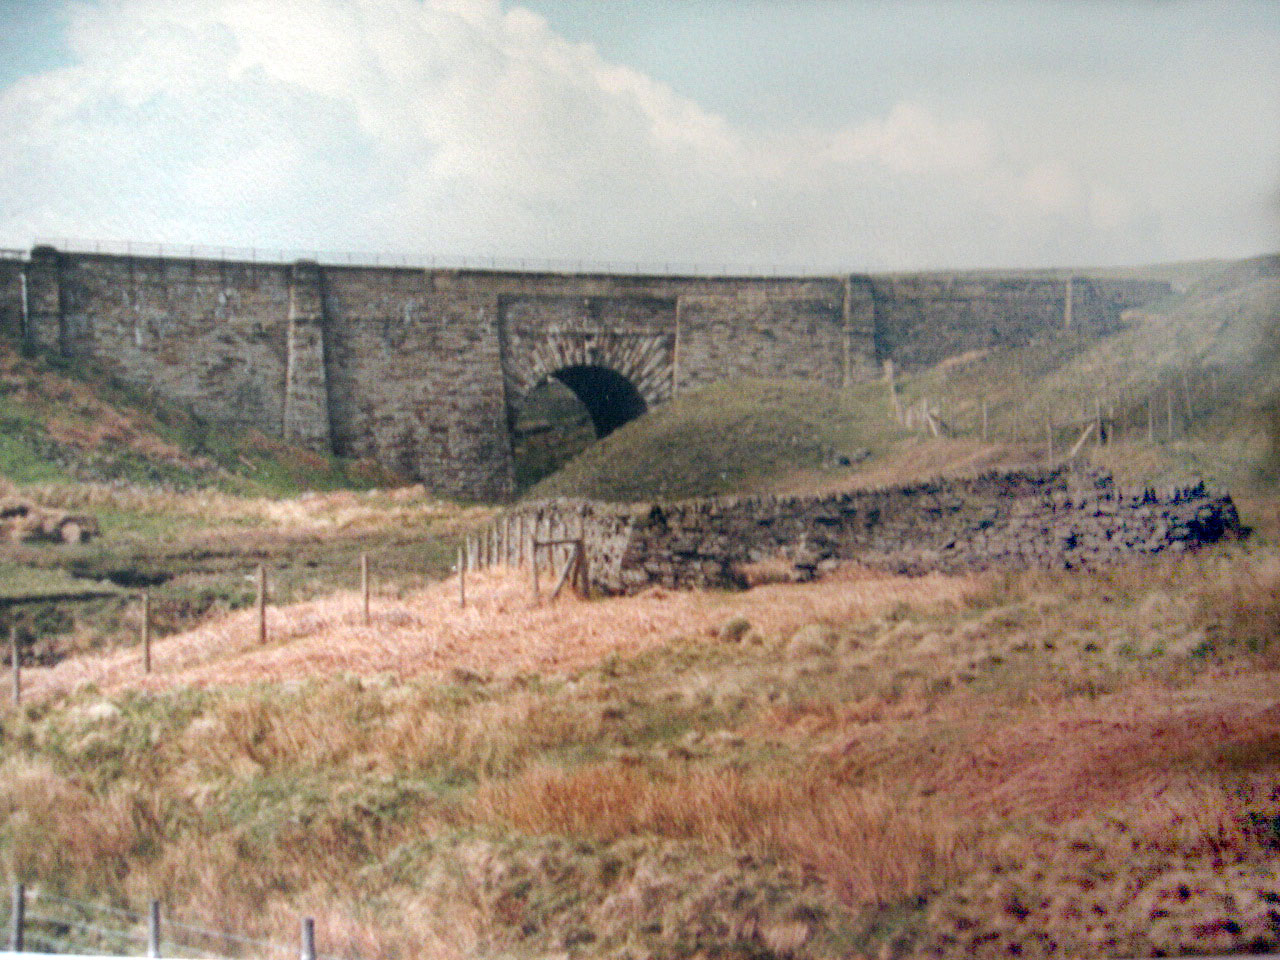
[(610, 398)]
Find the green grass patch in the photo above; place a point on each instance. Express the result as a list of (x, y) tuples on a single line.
[(729, 438)]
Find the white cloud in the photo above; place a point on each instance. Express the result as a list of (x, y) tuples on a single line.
[(456, 126)]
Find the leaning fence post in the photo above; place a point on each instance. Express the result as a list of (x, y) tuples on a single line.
[(16, 918), (534, 564), (308, 939), (153, 930)]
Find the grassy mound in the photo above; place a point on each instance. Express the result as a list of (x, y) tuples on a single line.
[(733, 437)]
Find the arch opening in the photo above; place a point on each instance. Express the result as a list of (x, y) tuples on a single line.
[(564, 414), (610, 398)]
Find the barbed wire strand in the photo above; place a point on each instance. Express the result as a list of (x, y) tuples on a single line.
[(168, 924), (224, 935), (91, 927), (86, 905)]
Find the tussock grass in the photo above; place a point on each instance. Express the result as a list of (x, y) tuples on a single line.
[(867, 844), (941, 766)]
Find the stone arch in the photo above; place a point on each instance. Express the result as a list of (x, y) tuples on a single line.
[(617, 376)]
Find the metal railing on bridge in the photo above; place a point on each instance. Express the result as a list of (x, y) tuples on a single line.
[(373, 258)]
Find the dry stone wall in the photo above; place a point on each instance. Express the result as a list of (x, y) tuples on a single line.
[(1015, 520), (423, 370)]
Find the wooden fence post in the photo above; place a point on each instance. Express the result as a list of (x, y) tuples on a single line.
[(17, 666), (1048, 433), (1151, 420), (984, 419), (1097, 417), (146, 632), (16, 918), (308, 939), (462, 576), (153, 930), (1169, 410), (262, 603), (364, 585)]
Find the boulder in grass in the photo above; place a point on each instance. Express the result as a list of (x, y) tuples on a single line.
[(734, 629)]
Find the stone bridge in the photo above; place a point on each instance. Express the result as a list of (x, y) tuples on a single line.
[(423, 369)]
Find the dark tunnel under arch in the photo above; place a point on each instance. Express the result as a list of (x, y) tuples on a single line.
[(610, 398)]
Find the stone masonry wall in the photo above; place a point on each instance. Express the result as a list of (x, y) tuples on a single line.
[(422, 370), (12, 277), (1018, 520)]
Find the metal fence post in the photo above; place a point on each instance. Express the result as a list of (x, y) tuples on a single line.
[(16, 918)]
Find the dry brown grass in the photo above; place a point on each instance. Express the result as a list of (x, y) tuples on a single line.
[(503, 628), (866, 843), (1000, 763)]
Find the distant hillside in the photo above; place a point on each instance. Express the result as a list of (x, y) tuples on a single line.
[(1190, 371), (1196, 355)]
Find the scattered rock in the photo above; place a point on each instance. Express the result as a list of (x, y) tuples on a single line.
[(734, 629)]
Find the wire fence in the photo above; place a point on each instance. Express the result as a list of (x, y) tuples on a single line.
[(37, 921), (373, 258)]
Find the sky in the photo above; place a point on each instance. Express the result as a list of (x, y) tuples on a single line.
[(815, 135)]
